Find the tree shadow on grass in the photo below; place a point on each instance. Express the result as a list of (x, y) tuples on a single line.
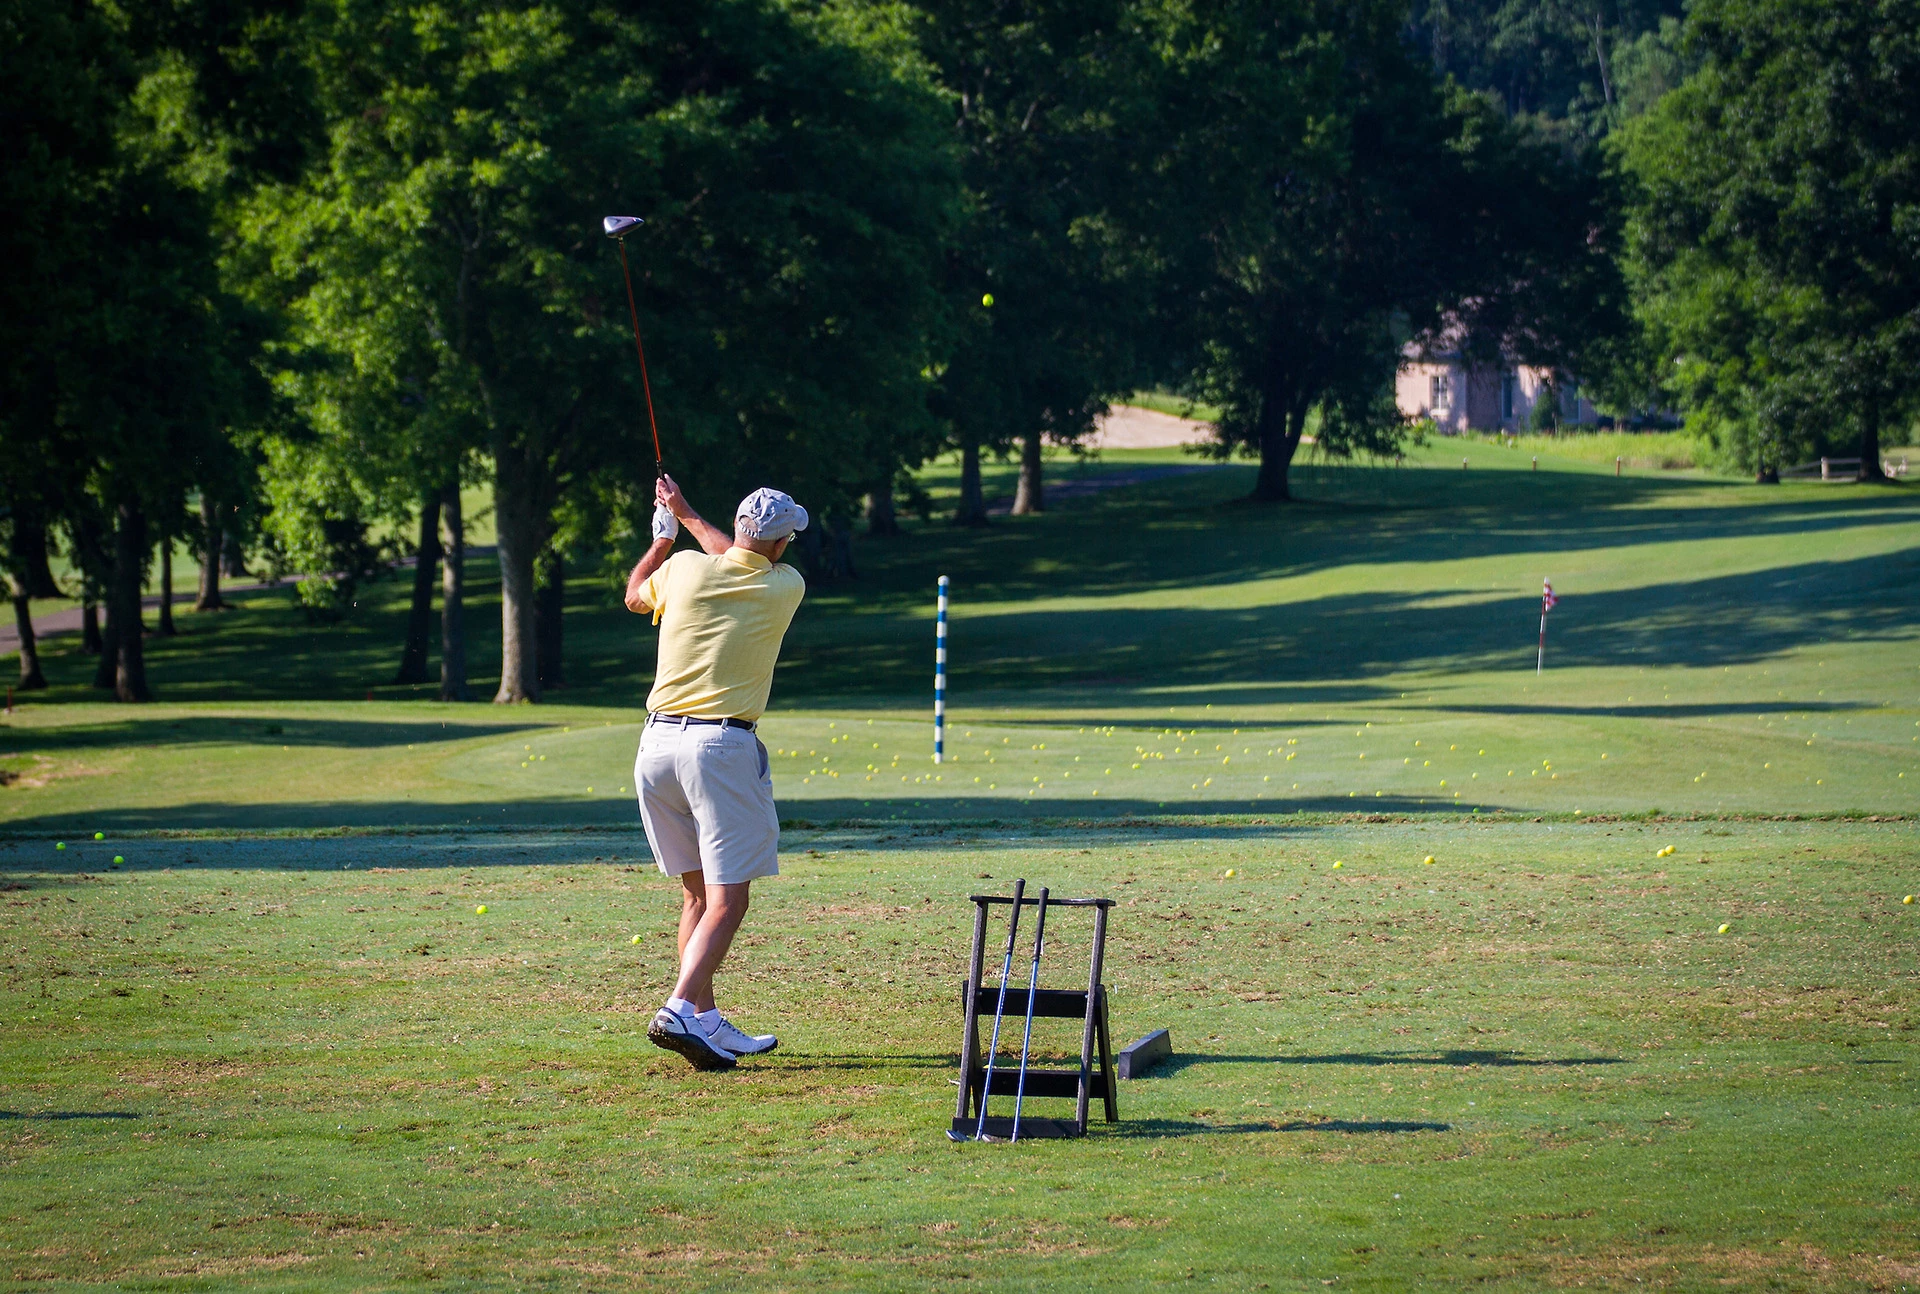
[(212, 730), (599, 815), (1706, 710)]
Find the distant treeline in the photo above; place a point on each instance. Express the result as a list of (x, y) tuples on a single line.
[(284, 275)]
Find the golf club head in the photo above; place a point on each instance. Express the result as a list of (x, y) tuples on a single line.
[(620, 226)]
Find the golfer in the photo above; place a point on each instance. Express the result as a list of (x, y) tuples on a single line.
[(706, 794)]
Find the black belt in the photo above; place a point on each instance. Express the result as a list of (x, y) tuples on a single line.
[(684, 720)]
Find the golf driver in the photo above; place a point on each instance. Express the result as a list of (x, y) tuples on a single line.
[(617, 228), (999, 1010), (1033, 990)]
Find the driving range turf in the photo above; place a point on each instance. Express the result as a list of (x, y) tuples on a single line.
[(279, 1047)]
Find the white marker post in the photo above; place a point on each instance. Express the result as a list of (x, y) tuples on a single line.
[(940, 674)]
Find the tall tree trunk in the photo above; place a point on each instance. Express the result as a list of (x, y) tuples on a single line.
[(972, 508), (166, 588), (453, 598), (519, 531), (91, 640), (128, 658), (550, 606), (881, 518), (212, 540), (1027, 496), (1871, 468), (413, 653), (1279, 437), (30, 557), (31, 679)]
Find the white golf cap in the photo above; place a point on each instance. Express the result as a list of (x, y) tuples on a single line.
[(769, 514)]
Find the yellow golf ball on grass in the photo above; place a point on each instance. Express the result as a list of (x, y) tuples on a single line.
[(1230, 873), (480, 911), (1723, 928)]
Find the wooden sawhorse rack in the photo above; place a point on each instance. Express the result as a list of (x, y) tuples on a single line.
[(1088, 1004)]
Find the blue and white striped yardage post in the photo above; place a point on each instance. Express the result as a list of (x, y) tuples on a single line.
[(940, 675)]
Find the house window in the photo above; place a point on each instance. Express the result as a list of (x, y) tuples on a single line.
[(1508, 386), (1440, 392)]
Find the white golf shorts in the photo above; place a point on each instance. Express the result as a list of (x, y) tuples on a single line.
[(706, 798)]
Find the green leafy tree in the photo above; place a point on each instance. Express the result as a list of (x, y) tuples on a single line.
[(1038, 92), (788, 161), (1775, 238), (1335, 199), (1577, 67), (130, 357)]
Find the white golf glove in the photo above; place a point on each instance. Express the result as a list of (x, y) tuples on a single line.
[(665, 524)]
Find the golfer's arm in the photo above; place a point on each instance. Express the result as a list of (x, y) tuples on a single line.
[(651, 562), (709, 536)]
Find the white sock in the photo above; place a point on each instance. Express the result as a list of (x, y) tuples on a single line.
[(682, 1008), (709, 1020)]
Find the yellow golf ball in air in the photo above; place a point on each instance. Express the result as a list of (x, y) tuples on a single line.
[(117, 860), (987, 300), (1230, 873), (1723, 928), (480, 911)]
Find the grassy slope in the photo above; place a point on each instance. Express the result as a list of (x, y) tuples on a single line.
[(1726, 647)]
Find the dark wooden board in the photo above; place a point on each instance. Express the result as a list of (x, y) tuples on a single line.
[(1048, 1003), (1137, 1057)]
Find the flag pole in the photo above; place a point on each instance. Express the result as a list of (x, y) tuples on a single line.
[(1546, 604)]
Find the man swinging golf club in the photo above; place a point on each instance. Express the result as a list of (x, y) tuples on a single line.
[(706, 794)]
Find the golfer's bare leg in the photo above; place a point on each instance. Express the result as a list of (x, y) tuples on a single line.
[(693, 906), (723, 908)]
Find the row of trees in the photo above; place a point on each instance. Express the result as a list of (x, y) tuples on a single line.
[(293, 274)]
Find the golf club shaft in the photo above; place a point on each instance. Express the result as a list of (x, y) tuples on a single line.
[(1033, 991), (633, 313), (1000, 1009)]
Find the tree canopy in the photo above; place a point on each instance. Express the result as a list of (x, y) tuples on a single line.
[(1775, 240)]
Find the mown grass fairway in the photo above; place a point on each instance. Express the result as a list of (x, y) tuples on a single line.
[(278, 1047), (310, 1064)]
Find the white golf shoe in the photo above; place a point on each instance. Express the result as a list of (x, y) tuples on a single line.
[(676, 1033), (743, 1044)]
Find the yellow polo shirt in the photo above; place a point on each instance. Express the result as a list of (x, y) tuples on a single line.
[(721, 622)]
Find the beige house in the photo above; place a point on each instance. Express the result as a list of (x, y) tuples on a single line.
[(1459, 397)]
